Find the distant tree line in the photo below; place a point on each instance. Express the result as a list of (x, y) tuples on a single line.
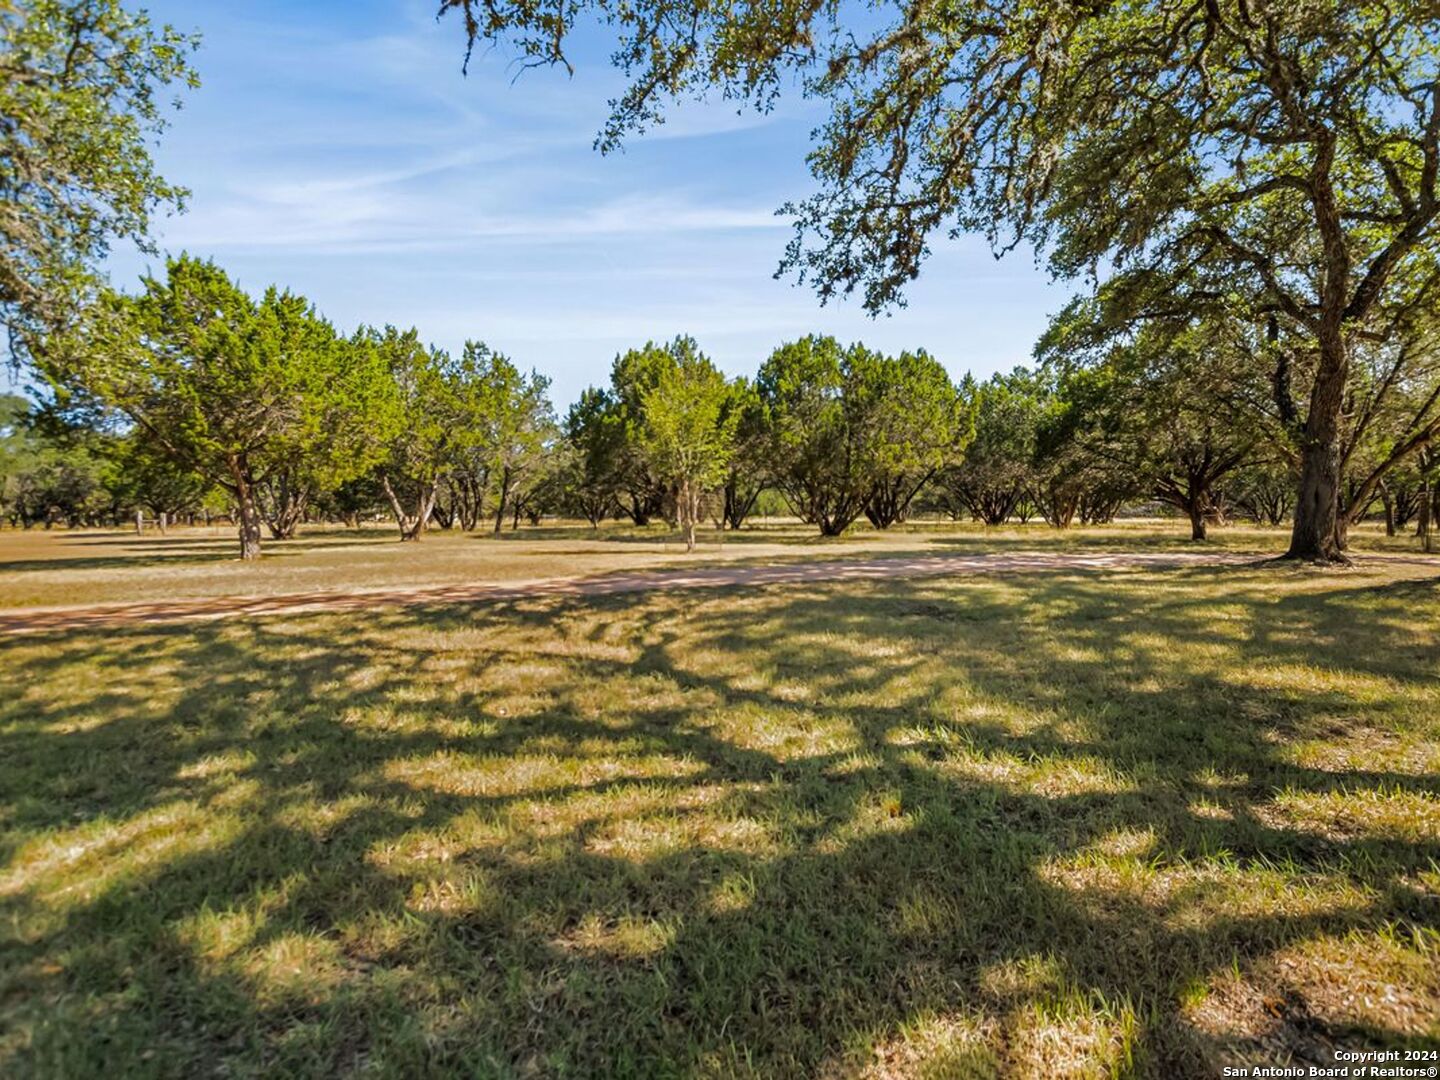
[(193, 400), (1249, 198), (1256, 183)]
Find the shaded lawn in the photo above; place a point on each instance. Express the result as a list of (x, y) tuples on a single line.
[(1032, 825)]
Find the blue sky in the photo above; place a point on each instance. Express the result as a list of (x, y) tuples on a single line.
[(336, 148)]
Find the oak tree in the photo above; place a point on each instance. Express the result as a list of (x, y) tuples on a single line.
[(82, 85), (1286, 154)]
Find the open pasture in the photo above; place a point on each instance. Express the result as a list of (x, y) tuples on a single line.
[(63, 567), (1100, 823)]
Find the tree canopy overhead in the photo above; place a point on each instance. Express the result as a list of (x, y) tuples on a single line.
[(80, 96), (1280, 156), (1093, 130)]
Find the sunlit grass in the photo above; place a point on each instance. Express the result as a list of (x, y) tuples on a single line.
[(1044, 825), (60, 567)]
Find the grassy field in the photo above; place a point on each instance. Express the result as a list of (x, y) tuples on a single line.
[(60, 567), (1036, 825)]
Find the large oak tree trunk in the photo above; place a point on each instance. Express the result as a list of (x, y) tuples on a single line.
[(1196, 510), (1316, 534)]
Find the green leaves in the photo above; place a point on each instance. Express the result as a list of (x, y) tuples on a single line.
[(688, 430), (247, 394), (856, 431), (1279, 161), (595, 444), (79, 101), (471, 420)]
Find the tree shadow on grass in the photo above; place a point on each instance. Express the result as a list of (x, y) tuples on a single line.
[(1007, 825), (225, 537), (178, 551), (660, 533), (123, 563), (1045, 538)]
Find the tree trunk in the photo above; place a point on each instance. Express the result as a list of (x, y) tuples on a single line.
[(1424, 527), (249, 521), (423, 511), (283, 503), (282, 526), (504, 498), (1196, 510), (1316, 536), (738, 504), (640, 510), (411, 528), (1389, 502), (687, 509)]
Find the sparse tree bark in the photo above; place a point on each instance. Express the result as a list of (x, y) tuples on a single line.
[(506, 481), (412, 526), (1198, 530), (249, 522), (1424, 528)]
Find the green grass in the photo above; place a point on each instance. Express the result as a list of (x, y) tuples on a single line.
[(60, 567), (1038, 825)]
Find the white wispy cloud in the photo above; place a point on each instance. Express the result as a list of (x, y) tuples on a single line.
[(365, 215), (349, 159)]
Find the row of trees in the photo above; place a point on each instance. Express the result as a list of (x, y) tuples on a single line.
[(193, 387), (844, 432), (1259, 183), (1256, 183), (839, 432), (1082, 440), (54, 474), (265, 401), (195, 397)]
